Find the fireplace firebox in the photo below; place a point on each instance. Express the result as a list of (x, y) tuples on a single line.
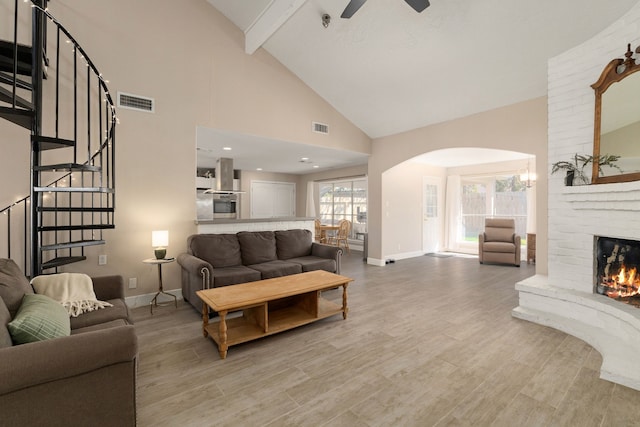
[(617, 268)]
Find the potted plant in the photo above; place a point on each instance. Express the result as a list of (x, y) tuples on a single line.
[(575, 169)]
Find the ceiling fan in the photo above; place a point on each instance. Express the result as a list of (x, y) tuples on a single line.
[(354, 5)]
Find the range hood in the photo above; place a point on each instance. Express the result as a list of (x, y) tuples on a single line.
[(224, 178)]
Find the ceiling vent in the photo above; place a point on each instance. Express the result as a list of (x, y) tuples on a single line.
[(320, 128), (136, 102)]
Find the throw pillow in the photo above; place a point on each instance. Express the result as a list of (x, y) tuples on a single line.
[(13, 285), (73, 290), (39, 318)]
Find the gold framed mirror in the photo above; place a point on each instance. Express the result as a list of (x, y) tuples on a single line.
[(617, 120)]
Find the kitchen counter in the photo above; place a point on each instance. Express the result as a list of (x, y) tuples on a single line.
[(256, 224), (247, 221)]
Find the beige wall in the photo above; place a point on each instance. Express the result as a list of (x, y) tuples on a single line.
[(191, 60), (520, 127), (402, 196)]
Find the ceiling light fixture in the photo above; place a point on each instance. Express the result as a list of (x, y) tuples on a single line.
[(227, 148), (326, 19)]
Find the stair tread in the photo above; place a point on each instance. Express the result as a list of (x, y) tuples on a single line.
[(6, 50), (76, 227), (72, 244), (75, 209), (24, 57), (57, 262), (68, 167), (7, 96), (104, 190), (52, 143), (21, 117), (7, 78)]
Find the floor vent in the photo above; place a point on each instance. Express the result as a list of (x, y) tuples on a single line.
[(136, 102), (320, 127)]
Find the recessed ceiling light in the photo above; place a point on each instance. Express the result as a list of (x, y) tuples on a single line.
[(258, 169), (226, 148), (315, 166), (304, 159)]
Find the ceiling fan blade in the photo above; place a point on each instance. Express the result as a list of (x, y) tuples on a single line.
[(352, 8), (418, 5)]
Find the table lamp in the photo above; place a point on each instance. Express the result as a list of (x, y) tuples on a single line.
[(159, 240)]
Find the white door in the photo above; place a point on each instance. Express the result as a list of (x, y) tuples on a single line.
[(431, 214)]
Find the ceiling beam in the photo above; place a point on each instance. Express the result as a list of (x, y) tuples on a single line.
[(272, 18)]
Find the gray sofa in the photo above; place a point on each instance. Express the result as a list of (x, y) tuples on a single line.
[(214, 260), (87, 378)]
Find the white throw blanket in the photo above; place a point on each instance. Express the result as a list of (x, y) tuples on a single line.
[(73, 290)]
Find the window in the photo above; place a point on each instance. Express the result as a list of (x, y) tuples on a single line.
[(491, 196), (345, 200)]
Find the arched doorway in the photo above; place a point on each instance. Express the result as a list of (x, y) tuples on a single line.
[(437, 201)]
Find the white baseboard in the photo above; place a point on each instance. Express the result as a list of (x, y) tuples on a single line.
[(375, 261), (145, 299)]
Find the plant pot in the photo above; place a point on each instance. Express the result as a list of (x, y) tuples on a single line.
[(568, 179)]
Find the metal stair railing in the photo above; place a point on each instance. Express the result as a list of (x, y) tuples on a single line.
[(71, 201)]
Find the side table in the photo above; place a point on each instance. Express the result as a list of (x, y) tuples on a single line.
[(159, 263), (531, 247)]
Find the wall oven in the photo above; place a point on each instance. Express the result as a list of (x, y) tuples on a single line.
[(225, 206)]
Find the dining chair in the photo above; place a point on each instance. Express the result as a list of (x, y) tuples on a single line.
[(342, 236), (319, 235)]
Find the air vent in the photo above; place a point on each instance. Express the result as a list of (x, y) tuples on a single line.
[(136, 102), (320, 127)]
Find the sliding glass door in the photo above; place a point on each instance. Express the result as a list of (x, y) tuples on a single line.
[(500, 196), (345, 199)]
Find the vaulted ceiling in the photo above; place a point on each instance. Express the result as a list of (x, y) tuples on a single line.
[(389, 69)]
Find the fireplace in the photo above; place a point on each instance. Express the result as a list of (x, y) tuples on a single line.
[(617, 272)]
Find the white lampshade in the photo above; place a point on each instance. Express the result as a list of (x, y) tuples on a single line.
[(160, 238)]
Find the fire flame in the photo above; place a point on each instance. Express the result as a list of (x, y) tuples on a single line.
[(624, 284)]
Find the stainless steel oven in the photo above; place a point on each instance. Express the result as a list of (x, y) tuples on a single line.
[(225, 206)]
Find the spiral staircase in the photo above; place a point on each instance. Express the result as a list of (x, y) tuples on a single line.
[(50, 86)]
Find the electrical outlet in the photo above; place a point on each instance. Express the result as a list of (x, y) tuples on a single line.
[(133, 282), (102, 260)]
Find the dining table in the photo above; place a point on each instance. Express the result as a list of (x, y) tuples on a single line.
[(324, 228)]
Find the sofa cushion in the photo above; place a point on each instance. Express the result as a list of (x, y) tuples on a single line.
[(5, 318), (39, 318), (234, 275), (277, 268), (100, 326), (293, 243), (220, 250), (13, 285), (257, 247), (311, 263), (118, 310)]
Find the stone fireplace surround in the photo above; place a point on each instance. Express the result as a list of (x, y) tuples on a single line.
[(564, 298)]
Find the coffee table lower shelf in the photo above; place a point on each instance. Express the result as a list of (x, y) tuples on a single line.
[(243, 329)]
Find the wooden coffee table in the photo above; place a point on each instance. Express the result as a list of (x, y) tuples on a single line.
[(270, 306)]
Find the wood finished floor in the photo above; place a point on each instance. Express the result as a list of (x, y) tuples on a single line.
[(428, 342)]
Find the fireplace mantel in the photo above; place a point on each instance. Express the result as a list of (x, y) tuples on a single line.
[(619, 197)]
